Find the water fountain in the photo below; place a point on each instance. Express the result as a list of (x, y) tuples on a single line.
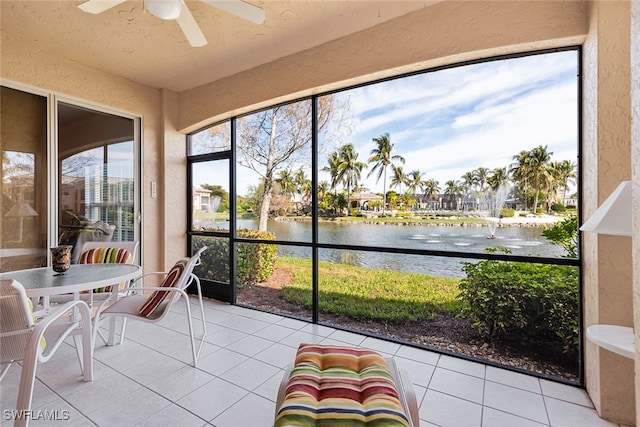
[(495, 200)]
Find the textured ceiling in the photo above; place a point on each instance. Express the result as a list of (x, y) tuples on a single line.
[(130, 42)]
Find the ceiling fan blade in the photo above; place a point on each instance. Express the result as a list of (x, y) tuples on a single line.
[(99, 6), (190, 27), (239, 8)]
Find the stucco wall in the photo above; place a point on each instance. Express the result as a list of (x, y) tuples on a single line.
[(635, 173), (607, 273), (444, 33), (29, 65)]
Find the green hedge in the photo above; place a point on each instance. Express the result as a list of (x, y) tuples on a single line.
[(255, 261), (505, 297)]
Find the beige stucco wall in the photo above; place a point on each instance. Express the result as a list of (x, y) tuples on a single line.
[(635, 173), (444, 33), (29, 65)]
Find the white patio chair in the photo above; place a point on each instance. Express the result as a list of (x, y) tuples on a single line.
[(23, 339), (153, 308)]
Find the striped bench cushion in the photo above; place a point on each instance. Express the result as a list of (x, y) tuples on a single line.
[(340, 386)]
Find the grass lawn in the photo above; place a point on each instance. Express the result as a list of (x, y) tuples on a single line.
[(368, 294)]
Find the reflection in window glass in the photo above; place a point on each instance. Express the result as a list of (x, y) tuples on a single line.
[(210, 195), (23, 211), (212, 140)]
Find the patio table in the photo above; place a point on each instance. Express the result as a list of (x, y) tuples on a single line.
[(44, 282)]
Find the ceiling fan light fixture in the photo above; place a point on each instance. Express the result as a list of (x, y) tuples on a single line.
[(164, 9)]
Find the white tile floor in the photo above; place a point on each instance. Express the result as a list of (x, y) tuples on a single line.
[(148, 380)]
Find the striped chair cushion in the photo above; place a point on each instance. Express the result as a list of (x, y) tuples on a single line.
[(340, 386), (106, 256), (171, 279)]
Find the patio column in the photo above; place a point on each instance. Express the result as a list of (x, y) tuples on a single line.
[(606, 152)]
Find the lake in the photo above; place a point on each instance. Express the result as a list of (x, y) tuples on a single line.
[(525, 241)]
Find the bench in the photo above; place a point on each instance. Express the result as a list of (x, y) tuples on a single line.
[(330, 385)]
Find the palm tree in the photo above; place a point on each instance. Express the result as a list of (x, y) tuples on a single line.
[(564, 173), (287, 183), (468, 182), (539, 171), (414, 182), (303, 184), (431, 188), (350, 169), (323, 189), (451, 190), (381, 157), (480, 176), (333, 168), (498, 178), (398, 178), (519, 171)]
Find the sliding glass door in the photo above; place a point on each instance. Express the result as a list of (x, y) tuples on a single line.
[(70, 174), (97, 177)]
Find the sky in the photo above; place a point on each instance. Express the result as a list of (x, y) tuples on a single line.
[(448, 122)]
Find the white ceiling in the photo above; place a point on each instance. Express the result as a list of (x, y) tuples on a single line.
[(130, 42)]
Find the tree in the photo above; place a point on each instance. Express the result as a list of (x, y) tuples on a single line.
[(451, 191), (414, 182), (398, 177), (480, 176), (381, 157), (431, 188), (531, 170), (279, 138), (540, 171), (350, 169), (287, 183), (564, 173), (498, 178)]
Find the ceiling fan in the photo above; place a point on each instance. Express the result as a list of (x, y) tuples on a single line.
[(177, 10)]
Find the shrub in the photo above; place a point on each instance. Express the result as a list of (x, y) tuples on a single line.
[(505, 297), (558, 207), (255, 261), (565, 234), (508, 213)]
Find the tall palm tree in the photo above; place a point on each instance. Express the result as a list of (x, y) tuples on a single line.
[(398, 178), (414, 182), (431, 188), (539, 171), (287, 183), (381, 157), (498, 178), (323, 189), (519, 171), (451, 191), (480, 176), (350, 169), (468, 182), (303, 184), (333, 168), (564, 173)]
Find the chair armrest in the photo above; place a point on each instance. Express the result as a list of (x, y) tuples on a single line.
[(53, 318), (141, 278)]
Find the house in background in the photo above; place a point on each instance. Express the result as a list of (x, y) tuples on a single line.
[(125, 61)]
